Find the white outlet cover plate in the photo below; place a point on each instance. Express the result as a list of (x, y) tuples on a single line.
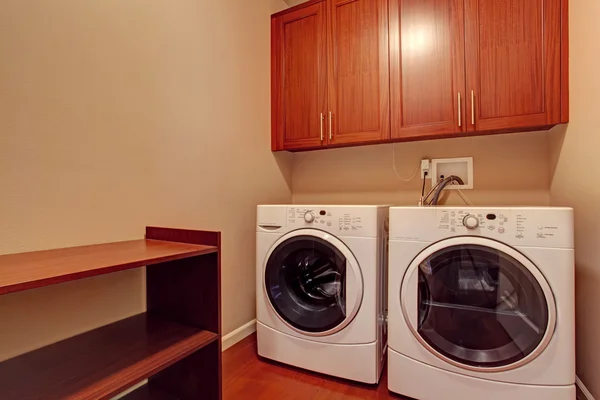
[(462, 167)]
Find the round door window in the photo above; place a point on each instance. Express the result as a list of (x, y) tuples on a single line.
[(305, 281), (479, 306)]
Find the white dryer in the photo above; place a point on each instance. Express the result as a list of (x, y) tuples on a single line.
[(320, 285), (481, 303)]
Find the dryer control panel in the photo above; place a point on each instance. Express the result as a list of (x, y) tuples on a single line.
[(526, 226), (473, 220)]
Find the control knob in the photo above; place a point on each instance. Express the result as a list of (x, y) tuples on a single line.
[(309, 216), (471, 221)]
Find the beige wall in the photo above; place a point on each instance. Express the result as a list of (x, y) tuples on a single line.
[(118, 114), (576, 183), (508, 170)]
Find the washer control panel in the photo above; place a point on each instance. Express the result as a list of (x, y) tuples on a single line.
[(345, 221), (323, 217)]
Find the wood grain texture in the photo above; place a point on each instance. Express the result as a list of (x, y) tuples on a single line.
[(552, 60), (511, 58), (276, 92), (206, 238), (248, 377), (42, 268), (299, 73), (186, 291), (427, 68), (513, 63), (101, 363), (564, 59), (358, 71)]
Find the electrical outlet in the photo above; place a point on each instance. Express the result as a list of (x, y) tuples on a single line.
[(425, 167), (461, 167)]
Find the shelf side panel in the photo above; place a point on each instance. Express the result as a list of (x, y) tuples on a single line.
[(195, 377)]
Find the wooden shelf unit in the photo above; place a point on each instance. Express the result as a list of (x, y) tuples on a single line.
[(176, 344)]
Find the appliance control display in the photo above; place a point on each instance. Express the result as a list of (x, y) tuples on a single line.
[(471, 221), (324, 218), (457, 220), (349, 222), (309, 216), (520, 225)]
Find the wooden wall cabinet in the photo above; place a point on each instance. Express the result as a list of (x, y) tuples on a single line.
[(514, 69), (348, 72), (427, 68), (330, 74), (463, 67), (299, 78)]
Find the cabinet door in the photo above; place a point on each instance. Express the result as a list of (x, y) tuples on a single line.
[(358, 71), (299, 78), (427, 68), (513, 63)]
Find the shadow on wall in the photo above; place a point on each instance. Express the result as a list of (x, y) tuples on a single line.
[(556, 139), (294, 2), (509, 169), (285, 162)]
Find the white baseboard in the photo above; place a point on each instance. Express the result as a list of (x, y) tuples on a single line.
[(131, 389), (583, 389), (240, 333)]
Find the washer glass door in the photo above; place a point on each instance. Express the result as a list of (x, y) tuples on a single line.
[(480, 307), (311, 281)]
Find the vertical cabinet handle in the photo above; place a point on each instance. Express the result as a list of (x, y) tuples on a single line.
[(321, 125), (459, 110), (472, 107), (330, 125)]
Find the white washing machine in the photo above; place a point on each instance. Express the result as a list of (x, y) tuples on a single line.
[(320, 285), (481, 303)]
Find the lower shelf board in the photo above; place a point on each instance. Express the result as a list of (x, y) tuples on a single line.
[(147, 393), (102, 363)]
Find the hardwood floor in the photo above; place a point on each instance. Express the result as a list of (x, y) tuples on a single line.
[(247, 377)]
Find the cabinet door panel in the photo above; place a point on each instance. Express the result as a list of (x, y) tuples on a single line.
[(299, 78), (513, 63), (358, 71), (427, 67)]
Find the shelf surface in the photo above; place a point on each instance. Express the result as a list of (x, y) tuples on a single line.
[(42, 268), (101, 363)]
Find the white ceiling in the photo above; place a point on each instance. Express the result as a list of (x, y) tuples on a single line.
[(294, 2)]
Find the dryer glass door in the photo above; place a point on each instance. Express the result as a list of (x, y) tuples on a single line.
[(479, 306), (305, 279)]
